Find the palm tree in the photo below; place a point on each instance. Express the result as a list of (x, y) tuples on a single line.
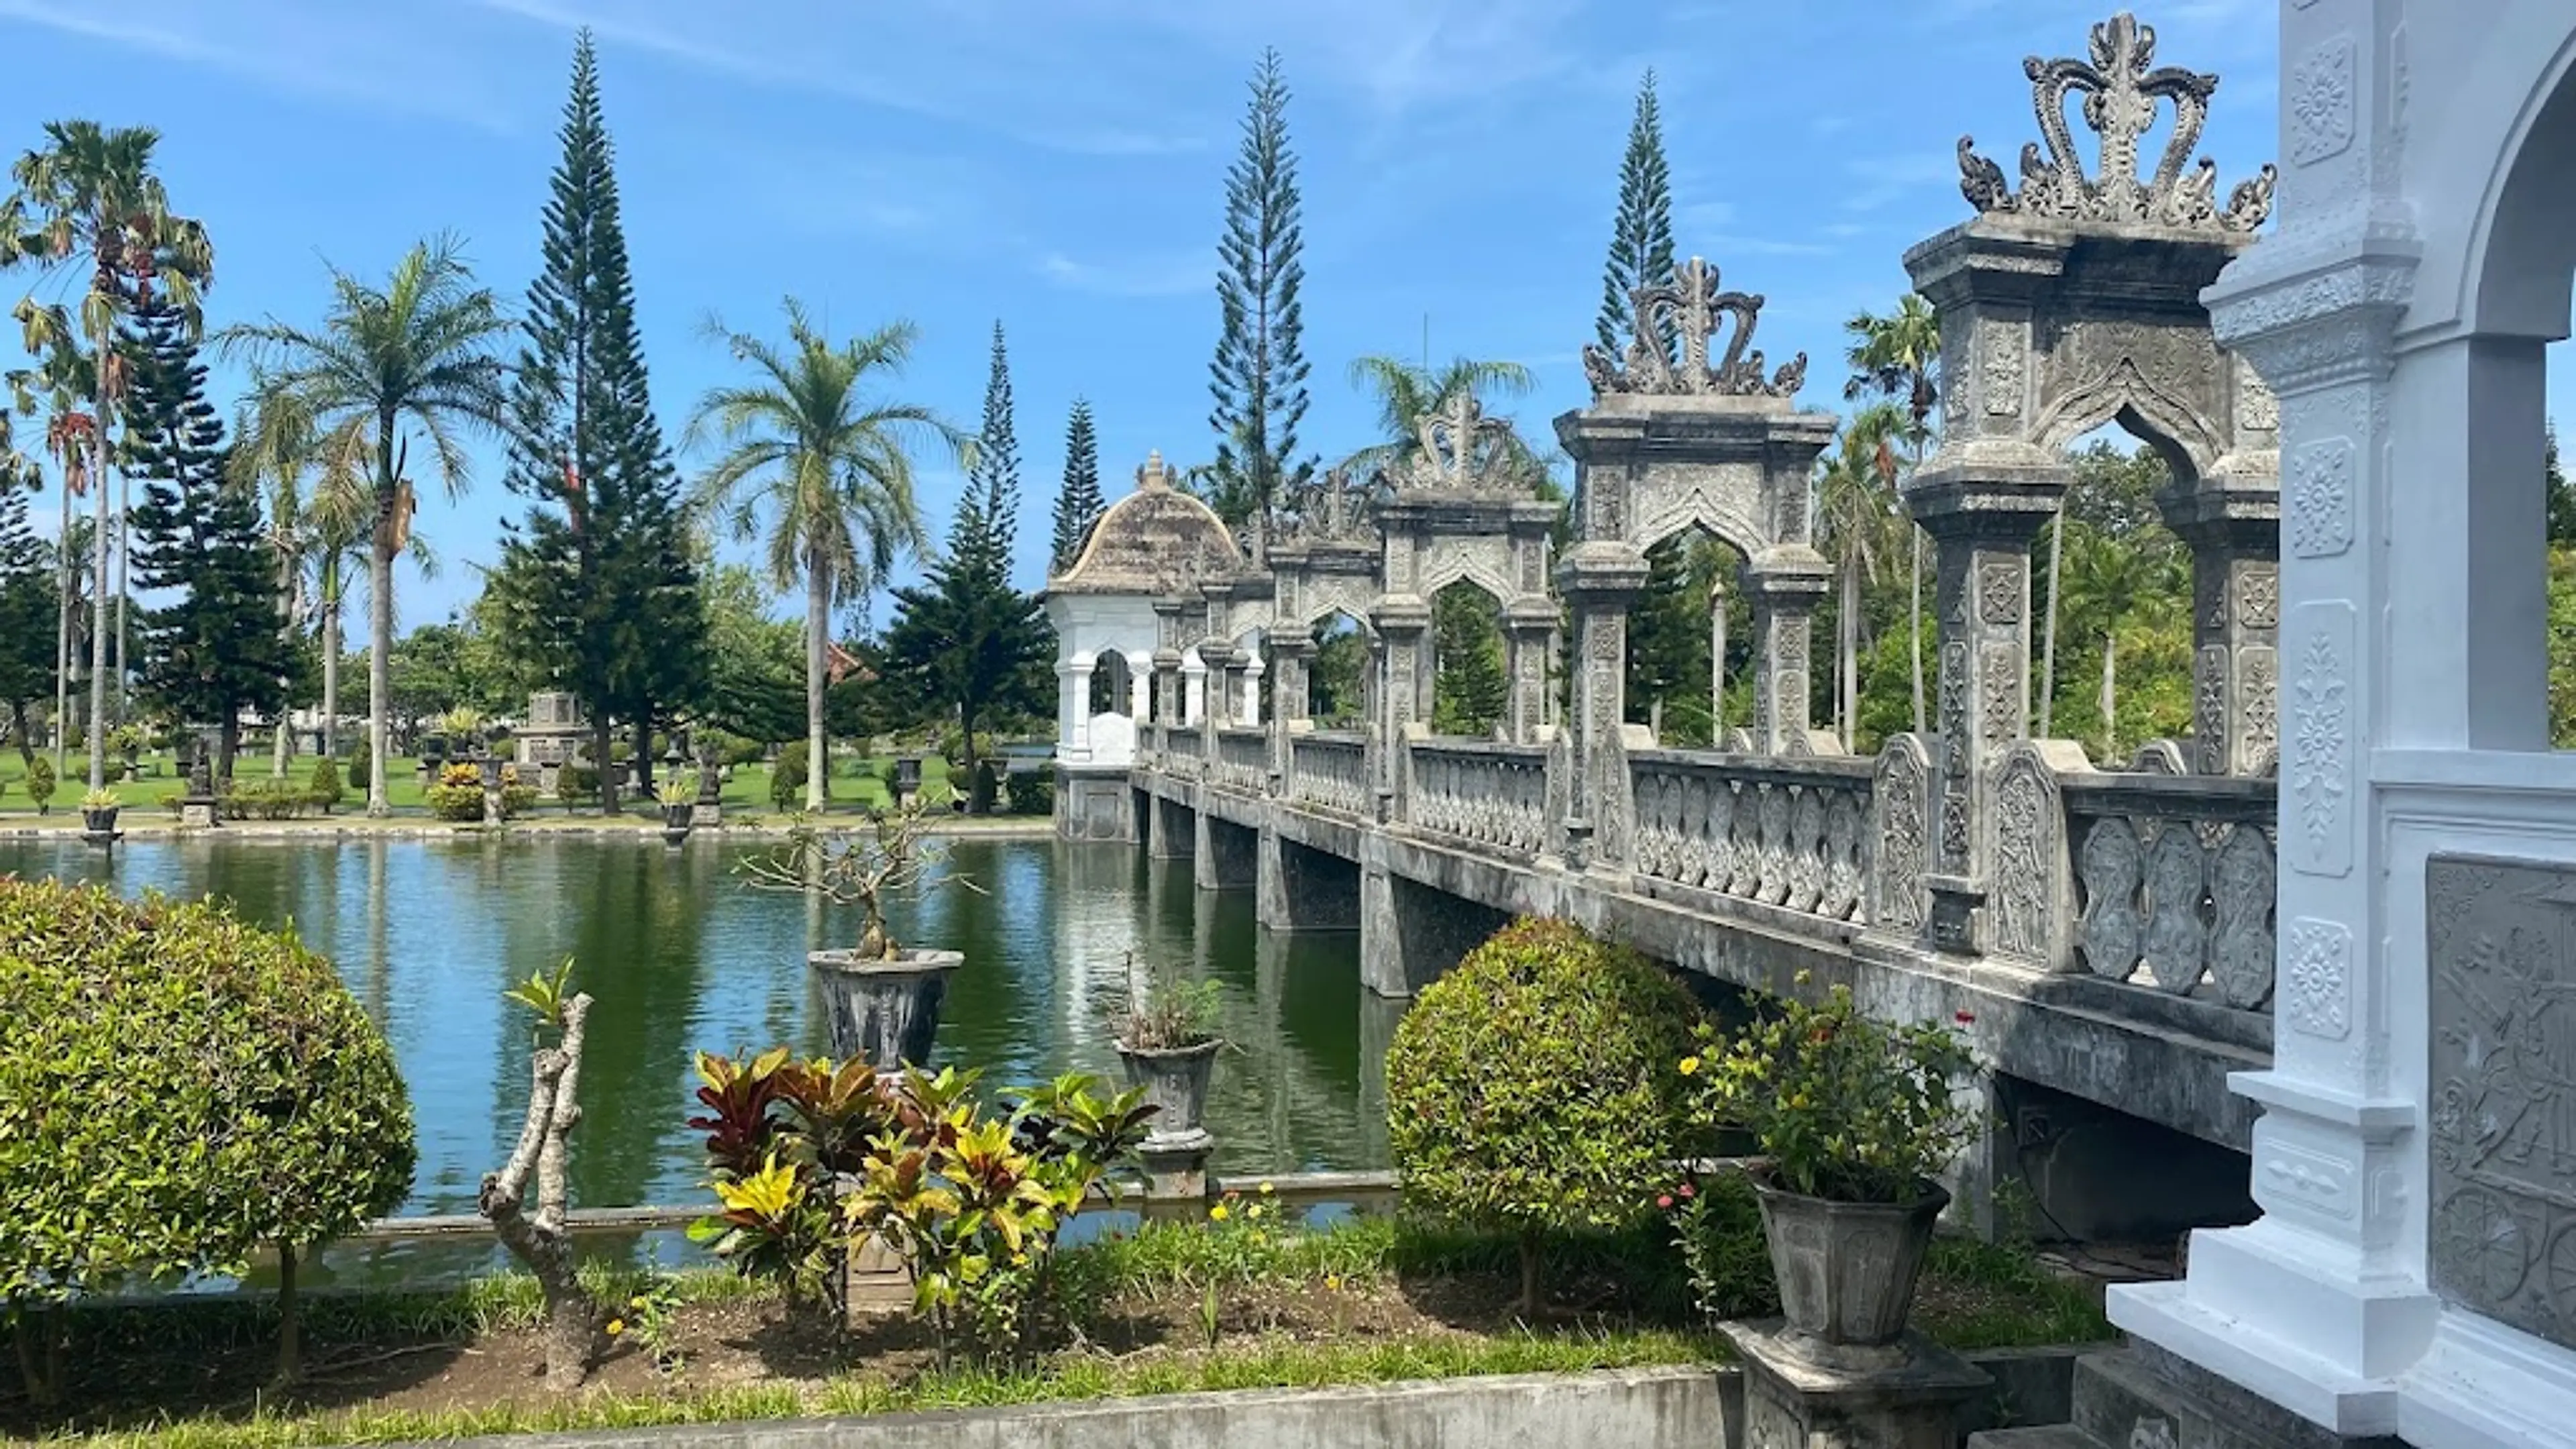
[(806, 442), (1856, 508), (2110, 583), (421, 354), (1898, 357), (318, 497), (88, 198), (1406, 393)]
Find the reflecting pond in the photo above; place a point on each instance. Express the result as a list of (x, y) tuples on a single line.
[(681, 957)]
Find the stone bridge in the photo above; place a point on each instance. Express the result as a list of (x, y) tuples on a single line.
[(2105, 933)]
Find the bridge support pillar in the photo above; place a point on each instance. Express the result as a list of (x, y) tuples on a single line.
[(1223, 853), (1173, 830), (1983, 522), (1299, 888), (1410, 933)]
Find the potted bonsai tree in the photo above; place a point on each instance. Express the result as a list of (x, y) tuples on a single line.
[(1852, 1118), (883, 998), (1165, 1032), (98, 814), (679, 797)]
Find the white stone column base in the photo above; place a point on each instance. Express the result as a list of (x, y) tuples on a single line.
[(2261, 1310), (2486, 1386)]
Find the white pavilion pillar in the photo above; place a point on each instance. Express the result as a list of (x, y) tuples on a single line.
[(1140, 686)]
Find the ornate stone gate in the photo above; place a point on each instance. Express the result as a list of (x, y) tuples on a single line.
[(2069, 303)]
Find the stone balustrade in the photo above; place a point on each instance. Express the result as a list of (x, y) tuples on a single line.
[(1790, 832), (2173, 882), (1330, 772), (1181, 749), (1484, 794), (1242, 759)]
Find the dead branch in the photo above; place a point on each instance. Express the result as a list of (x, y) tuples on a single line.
[(539, 1240)]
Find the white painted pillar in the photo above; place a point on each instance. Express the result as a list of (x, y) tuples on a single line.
[(1253, 668), (1072, 703), (1140, 685), (1193, 689)]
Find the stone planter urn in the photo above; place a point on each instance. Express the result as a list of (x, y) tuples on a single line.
[(676, 820), (1846, 1270), (884, 1011), (1176, 1083), (99, 825)]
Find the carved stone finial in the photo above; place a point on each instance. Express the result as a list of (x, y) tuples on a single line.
[(2121, 99), (1153, 477), (1694, 307), (1333, 509), (1448, 459)]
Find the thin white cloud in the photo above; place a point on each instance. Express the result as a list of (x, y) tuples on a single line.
[(322, 59), (1167, 275)]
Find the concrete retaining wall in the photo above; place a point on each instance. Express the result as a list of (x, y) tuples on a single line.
[(1656, 1408)]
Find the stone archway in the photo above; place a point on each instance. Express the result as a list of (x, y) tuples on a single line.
[(2072, 302)]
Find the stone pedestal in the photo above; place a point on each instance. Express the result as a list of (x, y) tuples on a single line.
[(1906, 1396), (1176, 1168), (197, 814)]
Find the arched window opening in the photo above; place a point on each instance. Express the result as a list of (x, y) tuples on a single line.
[(1470, 683)]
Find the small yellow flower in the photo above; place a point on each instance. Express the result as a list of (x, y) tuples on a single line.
[(637, 1303), (1333, 1284), (1217, 1213), (616, 1326), (1267, 1189), (1690, 1066), (1253, 1211)]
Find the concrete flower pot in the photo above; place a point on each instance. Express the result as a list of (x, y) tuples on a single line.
[(884, 1012), (1846, 1270), (1175, 1082), (676, 820), (99, 825)]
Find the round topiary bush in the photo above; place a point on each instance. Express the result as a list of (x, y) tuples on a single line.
[(1538, 1088), (178, 1087)]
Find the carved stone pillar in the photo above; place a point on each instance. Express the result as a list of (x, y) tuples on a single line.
[(1402, 620), (1214, 713), (1529, 632), (1167, 662), (2236, 617), (1601, 581), (1291, 651), (1982, 529), (1784, 586)]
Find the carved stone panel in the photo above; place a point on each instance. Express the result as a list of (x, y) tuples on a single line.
[(1901, 795), (2502, 948), (2316, 751), (2023, 902)]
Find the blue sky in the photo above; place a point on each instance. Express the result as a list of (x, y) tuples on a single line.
[(1059, 165)]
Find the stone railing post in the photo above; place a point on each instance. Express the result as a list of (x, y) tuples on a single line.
[(1402, 622), (1982, 525), (1290, 652), (1529, 633), (1784, 585), (1219, 658), (1601, 581)]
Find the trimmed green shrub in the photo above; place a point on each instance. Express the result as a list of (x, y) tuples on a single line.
[(361, 763), (1031, 791), (787, 778), (325, 789), (578, 784), (177, 1087), (40, 784), (1537, 1088)]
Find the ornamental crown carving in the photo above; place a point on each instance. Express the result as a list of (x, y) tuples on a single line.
[(1692, 306), (2122, 97), (1334, 509), (1460, 450)]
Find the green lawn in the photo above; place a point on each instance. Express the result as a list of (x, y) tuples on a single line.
[(855, 784)]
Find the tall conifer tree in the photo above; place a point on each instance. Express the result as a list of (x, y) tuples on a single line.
[(1078, 504), (966, 647), (27, 618), (599, 579), (1258, 377), (1641, 237), (214, 649)]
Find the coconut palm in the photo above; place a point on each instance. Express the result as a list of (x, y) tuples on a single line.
[(1405, 393), (2111, 583), (318, 497), (87, 199), (1898, 357), (1856, 511), (808, 443), (420, 355)]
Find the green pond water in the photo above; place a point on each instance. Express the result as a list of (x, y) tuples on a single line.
[(682, 957)]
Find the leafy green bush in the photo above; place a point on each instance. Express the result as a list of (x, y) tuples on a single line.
[(40, 784), (737, 750), (578, 784), (262, 799), (1030, 791), (458, 794), (177, 1087), (787, 778), (1537, 1090), (325, 789), (361, 764)]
